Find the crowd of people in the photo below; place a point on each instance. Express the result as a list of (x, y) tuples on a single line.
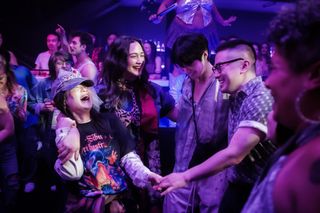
[(87, 137)]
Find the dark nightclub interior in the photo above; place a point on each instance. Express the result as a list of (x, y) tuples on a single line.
[(93, 130)]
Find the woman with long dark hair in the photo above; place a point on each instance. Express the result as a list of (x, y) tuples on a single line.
[(153, 63), (137, 102)]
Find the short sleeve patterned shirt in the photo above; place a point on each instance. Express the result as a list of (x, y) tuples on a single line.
[(249, 107)]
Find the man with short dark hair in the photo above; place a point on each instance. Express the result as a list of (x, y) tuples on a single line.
[(80, 46)]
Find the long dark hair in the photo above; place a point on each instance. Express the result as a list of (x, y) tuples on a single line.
[(116, 65), (11, 79), (153, 54)]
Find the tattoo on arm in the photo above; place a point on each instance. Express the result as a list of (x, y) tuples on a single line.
[(315, 172)]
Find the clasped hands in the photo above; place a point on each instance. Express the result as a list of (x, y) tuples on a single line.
[(170, 182)]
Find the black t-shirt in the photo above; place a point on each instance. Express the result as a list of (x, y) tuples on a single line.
[(103, 142)]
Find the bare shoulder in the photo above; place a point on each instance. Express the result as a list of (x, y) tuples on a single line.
[(297, 186)]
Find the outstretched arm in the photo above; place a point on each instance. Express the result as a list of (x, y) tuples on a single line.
[(163, 6), (220, 19), (243, 141), (138, 172)]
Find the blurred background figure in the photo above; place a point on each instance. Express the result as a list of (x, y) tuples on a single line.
[(13, 59), (153, 62), (15, 97), (53, 44), (263, 60), (194, 16), (110, 38), (41, 103)]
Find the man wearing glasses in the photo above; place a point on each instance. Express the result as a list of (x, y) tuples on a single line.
[(250, 103)]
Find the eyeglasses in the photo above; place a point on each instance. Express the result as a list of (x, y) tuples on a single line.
[(217, 68)]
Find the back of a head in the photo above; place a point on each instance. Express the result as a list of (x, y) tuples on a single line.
[(296, 34), (188, 48)]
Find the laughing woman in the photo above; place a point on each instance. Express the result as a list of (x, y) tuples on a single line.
[(106, 150), (137, 102)]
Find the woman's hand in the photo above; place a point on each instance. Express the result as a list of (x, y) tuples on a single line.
[(155, 18), (171, 182), (227, 23), (154, 178)]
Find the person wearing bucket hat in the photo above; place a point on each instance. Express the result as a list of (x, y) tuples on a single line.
[(106, 150), (40, 102)]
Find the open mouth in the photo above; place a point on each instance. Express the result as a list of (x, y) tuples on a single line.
[(137, 68), (85, 98)]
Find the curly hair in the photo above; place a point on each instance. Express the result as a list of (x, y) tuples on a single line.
[(296, 34)]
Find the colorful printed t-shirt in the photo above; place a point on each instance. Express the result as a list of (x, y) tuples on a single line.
[(102, 147)]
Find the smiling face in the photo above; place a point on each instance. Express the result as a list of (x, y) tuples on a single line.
[(285, 86), (136, 59), (230, 75), (75, 46), (79, 99)]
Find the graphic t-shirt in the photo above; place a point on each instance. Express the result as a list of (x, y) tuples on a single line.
[(103, 144)]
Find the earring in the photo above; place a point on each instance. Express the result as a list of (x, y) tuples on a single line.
[(309, 114)]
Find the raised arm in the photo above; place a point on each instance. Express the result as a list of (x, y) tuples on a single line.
[(163, 6), (63, 37), (242, 142), (220, 19)]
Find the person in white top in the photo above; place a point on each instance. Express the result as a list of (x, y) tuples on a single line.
[(80, 46), (53, 44)]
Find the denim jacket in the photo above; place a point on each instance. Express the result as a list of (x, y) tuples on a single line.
[(40, 93)]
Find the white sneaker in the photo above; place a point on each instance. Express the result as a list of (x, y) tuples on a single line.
[(29, 187)]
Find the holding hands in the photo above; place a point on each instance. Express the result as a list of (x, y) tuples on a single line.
[(171, 182)]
